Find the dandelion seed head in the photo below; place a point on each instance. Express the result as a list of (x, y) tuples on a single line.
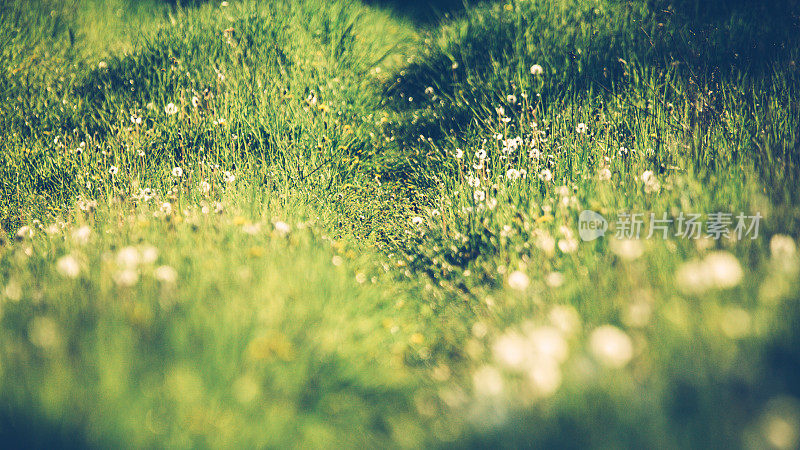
[(171, 109), (611, 346), (518, 280), (68, 266)]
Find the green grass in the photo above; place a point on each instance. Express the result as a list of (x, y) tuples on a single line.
[(268, 224)]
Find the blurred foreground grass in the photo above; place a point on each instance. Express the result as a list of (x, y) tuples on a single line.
[(314, 224)]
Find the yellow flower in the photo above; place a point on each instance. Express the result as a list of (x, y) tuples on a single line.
[(255, 252), (270, 345)]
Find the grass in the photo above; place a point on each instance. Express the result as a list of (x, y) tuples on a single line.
[(323, 224)]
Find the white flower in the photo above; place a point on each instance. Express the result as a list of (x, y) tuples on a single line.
[(25, 232), (518, 280), (228, 177), (417, 220), (545, 377), (205, 187), (581, 128), (126, 277), (128, 257), (782, 246), (282, 228), (102, 65), (459, 153), (611, 346), (604, 174), (68, 266), (44, 333), (165, 274), (251, 228), (627, 249), (113, 170), (536, 69), (554, 279), (177, 172), (568, 245), (166, 208), (512, 350), (500, 112), (479, 195), (547, 342), (195, 101), (565, 318), (545, 175), (81, 235), (511, 145), (429, 90), (488, 381), (171, 109), (511, 98), (512, 174), (651, 183), (473, 181), (720, 270), (149, 254)]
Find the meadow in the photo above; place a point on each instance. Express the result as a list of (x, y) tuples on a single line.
[(316, 224)]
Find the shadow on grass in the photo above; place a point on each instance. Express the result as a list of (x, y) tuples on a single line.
[(593, 51), (422, 12), (23, 429)]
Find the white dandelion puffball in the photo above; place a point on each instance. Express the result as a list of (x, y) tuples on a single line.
[(282, 228), (546, 175), (724, 268), (171, 109), (565, 318), (718, 270), (581, 128), (166, 208), (549, 343), (81, 235), (126, 277), (68, 266), (782, 246), (545, 377), (611, 346), (128, 257), (177, 172), (518, 280), (488, 381), (25, 232), (627, 249), (205, 187), (512, 350), (536, 69), (166, 274)]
